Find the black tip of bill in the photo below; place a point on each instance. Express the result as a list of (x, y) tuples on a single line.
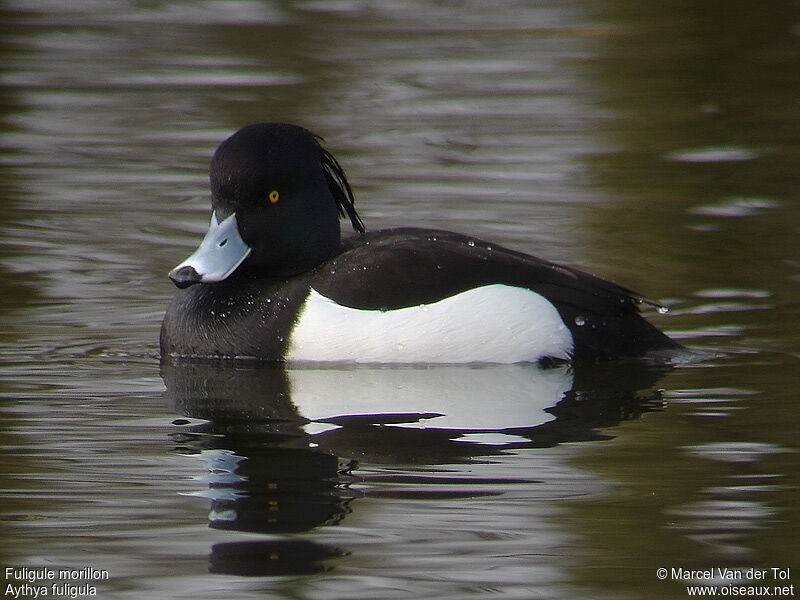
[(183, 277)]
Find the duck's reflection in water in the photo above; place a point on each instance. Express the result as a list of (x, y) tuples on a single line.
[(282, 444)]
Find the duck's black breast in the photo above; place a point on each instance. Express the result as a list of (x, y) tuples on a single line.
[(240, 317), (399, 268)]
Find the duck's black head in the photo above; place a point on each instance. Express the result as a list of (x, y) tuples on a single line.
[(277, 198)]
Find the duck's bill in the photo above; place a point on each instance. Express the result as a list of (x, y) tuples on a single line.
[(219, 254)]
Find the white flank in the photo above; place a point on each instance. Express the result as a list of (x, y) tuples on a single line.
[(495, 323)]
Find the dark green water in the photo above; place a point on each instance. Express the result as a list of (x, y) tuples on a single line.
[(657, 145)]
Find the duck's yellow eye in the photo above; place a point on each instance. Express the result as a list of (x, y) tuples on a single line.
[(274, 196)]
